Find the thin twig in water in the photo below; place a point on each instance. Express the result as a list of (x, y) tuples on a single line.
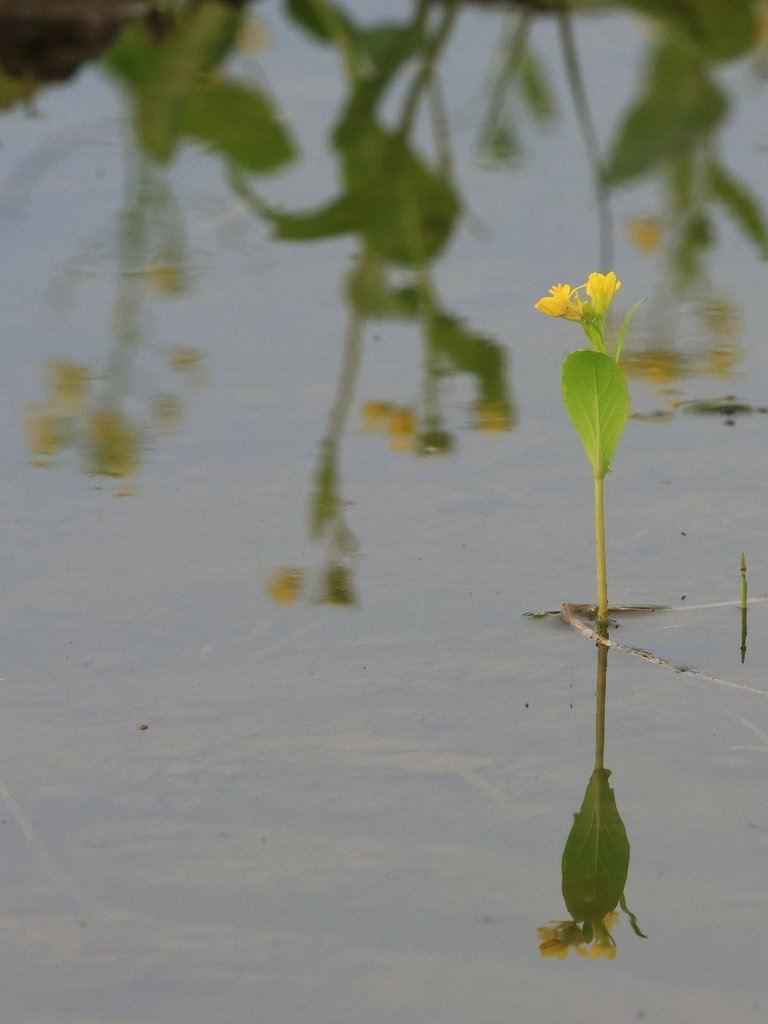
[(569, 614)]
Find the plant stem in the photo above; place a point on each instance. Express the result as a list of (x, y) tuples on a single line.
[(602, 577)]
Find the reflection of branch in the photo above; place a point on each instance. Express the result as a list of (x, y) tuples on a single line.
[(514, 46), (589, 135), (431, 49)]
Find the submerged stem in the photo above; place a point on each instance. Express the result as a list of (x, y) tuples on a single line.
[(602, 577)]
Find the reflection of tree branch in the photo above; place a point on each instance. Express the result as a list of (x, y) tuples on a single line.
[(589, 135), (432, 47), (514, 46)]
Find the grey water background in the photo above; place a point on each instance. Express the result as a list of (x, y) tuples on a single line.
[(356, 812)]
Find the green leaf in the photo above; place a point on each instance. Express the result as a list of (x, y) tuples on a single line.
[(596, 398), (596, 855)]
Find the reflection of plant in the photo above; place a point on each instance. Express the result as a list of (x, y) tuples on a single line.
[(518, 86), (591, 939), (402, 208), (594, 392), (595, 861), (671, 129)]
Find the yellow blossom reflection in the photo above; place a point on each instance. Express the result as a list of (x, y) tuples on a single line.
[(45, 434), (68, 382), (402, 430), (591, 940), (492, 417), (375, 417), (114, 444), (644, 233), (285, 586)]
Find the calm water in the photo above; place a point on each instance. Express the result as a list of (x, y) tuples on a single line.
[(278, 743)]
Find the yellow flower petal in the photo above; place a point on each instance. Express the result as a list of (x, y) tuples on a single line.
[(601, 289)]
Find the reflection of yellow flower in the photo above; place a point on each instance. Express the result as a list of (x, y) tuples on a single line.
[(114, 444), (593, 940), (601, 289), (719, 318), (644, 233), (285, 586), (184, 357), (562, 301), (375, 416), (492, 417), (720, 362), (45, 431), (402, 430), (559, 939), (68, 382), (656, 365), (164, 279)]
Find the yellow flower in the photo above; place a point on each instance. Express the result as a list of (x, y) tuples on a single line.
[(601, 289), (562, 301)]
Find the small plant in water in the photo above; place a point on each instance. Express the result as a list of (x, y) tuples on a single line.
[(595, 391)]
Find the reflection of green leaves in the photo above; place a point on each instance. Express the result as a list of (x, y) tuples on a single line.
[(722, 30), (596, 856), (404, 210), (471, 353), (680, 107), (177, 95), (238, 123), (596, 397), (740, 204)]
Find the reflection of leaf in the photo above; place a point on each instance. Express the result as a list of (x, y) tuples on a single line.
[(319, 18), (723, 30), (596, 856), (162, 75), (536, 89), (238, 123), (404, 210), (371, 296), (680, 107), (742, 206), (597, 400), (470, 353)]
